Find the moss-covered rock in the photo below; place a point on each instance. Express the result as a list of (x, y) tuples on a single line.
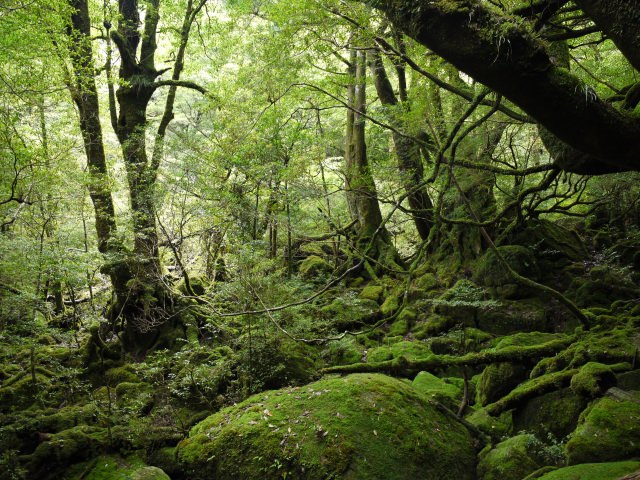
[(111, 467), (346, 312), (553, 241), (509, 316), (593, 379), (497, 380), (118, 375), (496, 427), (629, 380), (491, 272), (390, 304), (314, 266), (66, 448), (425, 282), (363, 426), (407, 349), (609, 431), (440, 390), (593, 471), (135, 397), (372, 292), (601, 345), (555, 413), (512, 459)]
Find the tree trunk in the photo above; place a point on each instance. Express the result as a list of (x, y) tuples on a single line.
[(373, 238), (407, 151)]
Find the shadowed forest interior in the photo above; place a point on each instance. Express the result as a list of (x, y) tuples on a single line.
[(319, 239)]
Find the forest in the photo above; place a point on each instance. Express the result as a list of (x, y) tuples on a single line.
[(319, 239)]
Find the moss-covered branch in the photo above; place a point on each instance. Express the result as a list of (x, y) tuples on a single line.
[(539, 386), (401, 367)]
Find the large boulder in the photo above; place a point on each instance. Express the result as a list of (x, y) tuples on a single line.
[(362, 426), (609, 431)]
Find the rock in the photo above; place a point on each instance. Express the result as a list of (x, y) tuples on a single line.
[(496, 428), (409, 350), (509, 316), (512, 459), (593, 379), (372, 292), (609, 431), (314, 266), (362, 426), (441, 391), (492, 273), (497, 380), (593, 471), (554, 413), (390, 305)]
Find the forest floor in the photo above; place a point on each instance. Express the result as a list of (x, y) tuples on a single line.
[(449, 373)]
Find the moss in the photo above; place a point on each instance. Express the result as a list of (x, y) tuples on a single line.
[(135, 397), (600, 345), (407, 349), (364, 426), (372, 292), (118, 375), (109, 467), (509, 460), (593, 379), (609, 431), (495, 427), (433, 387), (527, 338), (554, 412), (399, 327), (511, 316), (435, 325), (497, 380), (66, 448), (390, 305), (348, 312), (490, 271), (426, 282), (593, 471), (314, 266)]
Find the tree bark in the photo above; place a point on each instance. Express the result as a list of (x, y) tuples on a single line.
[(407, 151), (509, 59)]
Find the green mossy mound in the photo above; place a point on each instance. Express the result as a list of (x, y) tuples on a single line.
[(512, 459), (409, 350), (609, 431), (496, 428), (372, 292), (346, 312), (314, 266), (593, 471), (108, 467), (363, 426), (440, 390)]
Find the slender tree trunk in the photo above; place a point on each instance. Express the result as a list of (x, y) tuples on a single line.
[(361, 191), (407, 151), (82, 85)]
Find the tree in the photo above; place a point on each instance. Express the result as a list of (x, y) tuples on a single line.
[(506, 50), (136, 276)]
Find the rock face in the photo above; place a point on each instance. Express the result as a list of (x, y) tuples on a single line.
[(362, 426)]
